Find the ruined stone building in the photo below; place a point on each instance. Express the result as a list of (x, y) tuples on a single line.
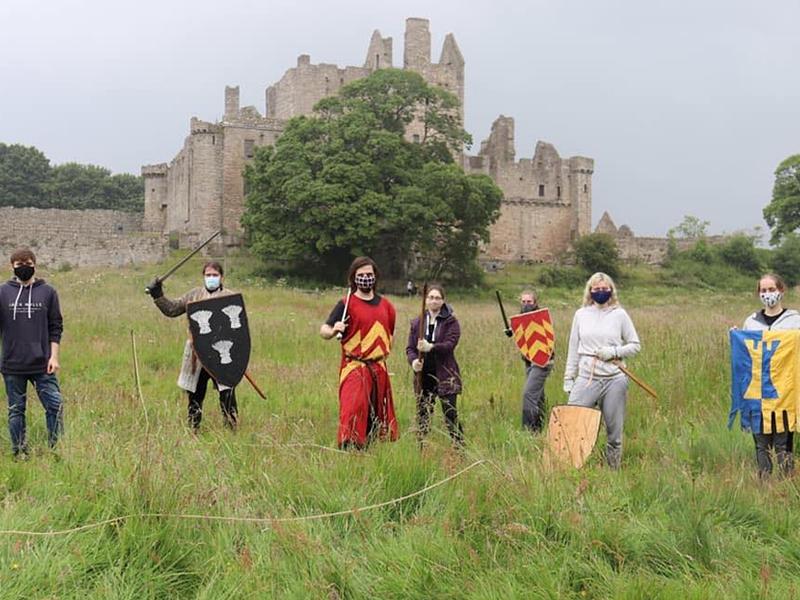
[(547, 202)]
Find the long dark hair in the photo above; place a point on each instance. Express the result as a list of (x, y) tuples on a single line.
[(361, 261)]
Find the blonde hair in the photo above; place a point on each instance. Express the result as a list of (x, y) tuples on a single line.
[(594, 280)]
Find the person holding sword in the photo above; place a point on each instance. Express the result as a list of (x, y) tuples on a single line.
[(364, 323)]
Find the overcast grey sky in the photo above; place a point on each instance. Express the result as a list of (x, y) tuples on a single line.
[(686, 107)]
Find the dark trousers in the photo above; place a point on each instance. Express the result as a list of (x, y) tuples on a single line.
[(227, 402), (534, 404), (49, 395), (425, 403), (781, 443)]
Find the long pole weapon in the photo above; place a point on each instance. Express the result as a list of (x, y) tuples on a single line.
[(183, 260), (339, 334), (421, 335), (508, 331)]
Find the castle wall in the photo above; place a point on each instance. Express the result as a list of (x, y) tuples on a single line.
[(529, 231), (303, 86), (80, 238)]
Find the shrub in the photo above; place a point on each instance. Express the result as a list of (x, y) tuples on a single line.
[(740, 252), (786, 259), (598, 252)]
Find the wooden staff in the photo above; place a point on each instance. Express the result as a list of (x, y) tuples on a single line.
[(255, 385), (420, 336), (648, 389)]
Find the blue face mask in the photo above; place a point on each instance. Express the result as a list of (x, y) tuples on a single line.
[(601, 296), (213, 282)]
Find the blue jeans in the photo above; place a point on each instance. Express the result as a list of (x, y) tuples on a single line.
[(49, 395)]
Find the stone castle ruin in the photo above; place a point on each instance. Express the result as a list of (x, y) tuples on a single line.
[(548, 199)]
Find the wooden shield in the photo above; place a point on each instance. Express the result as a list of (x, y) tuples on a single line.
[(533, 333), (571, 434), (220, 336)]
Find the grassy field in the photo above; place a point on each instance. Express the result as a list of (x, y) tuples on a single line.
[(685, 518)]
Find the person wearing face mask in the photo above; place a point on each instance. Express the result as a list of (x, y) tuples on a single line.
[(366, 322), (31, 326), (602, 335), (774, 316), (534, 403), (434, 357), (193, 377)]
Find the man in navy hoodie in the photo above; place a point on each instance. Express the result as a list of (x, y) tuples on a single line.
[(31, 326)]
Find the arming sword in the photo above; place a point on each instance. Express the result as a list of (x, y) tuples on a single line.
[(339, 334), (508, 330), (183, 260)]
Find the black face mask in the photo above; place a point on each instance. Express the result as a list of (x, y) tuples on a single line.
[(529, 308), (24, 272)]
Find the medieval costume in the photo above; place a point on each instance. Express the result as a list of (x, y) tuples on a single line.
[(366, 408), (193, 377)]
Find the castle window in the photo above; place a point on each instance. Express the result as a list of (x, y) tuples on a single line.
[(213, 140), (153, 190), (585, 188), (377, 61), (558, 191), (415, 137), (249, 148), (541, 190)]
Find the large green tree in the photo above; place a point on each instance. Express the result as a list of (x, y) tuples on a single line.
[(782, 214), (347, 181), (24, 175), (27, 179)]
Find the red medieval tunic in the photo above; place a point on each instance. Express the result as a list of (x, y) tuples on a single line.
[(366, 409)]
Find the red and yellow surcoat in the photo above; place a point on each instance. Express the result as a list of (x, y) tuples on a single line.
[(366, 407)]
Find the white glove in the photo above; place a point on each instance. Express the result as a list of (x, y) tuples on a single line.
[(568, 385), (424, 346), (607, 353), (416, 365)]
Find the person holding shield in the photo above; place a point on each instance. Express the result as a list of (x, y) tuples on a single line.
[(602, 335), (534, 403), (193, 377), (774, 316), (364, 323)]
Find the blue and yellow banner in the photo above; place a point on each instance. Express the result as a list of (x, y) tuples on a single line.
[(765, 379)]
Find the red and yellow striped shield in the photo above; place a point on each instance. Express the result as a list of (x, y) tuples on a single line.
[(533, 332)]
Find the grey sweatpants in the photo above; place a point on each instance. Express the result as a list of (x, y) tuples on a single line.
[(610, 393), (533, 401)]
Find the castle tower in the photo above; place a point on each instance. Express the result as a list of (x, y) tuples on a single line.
[(155, 197), (379, 53), (231, 102), (580, 194), (417, 49)]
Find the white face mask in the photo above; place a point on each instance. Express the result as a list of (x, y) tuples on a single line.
[(212, 282), (770, 299)]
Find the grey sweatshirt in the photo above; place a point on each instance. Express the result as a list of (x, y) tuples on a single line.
[(788, 320), (592, 328)]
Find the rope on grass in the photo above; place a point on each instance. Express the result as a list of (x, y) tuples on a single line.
[(260, 520)]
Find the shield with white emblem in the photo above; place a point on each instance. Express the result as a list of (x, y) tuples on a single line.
[(221, 337)]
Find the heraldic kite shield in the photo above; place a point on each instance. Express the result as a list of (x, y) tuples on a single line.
[(220, 337), (533, 332), (571, 434)]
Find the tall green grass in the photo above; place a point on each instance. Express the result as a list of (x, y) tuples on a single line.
[(685, 518)]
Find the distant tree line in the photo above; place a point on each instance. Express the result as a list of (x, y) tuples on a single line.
[(28, 179)]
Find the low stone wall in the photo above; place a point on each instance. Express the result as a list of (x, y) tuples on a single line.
[(79, 238)]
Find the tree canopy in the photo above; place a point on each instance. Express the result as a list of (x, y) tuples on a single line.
[(347, 181), (782, 214), (28, 179)]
